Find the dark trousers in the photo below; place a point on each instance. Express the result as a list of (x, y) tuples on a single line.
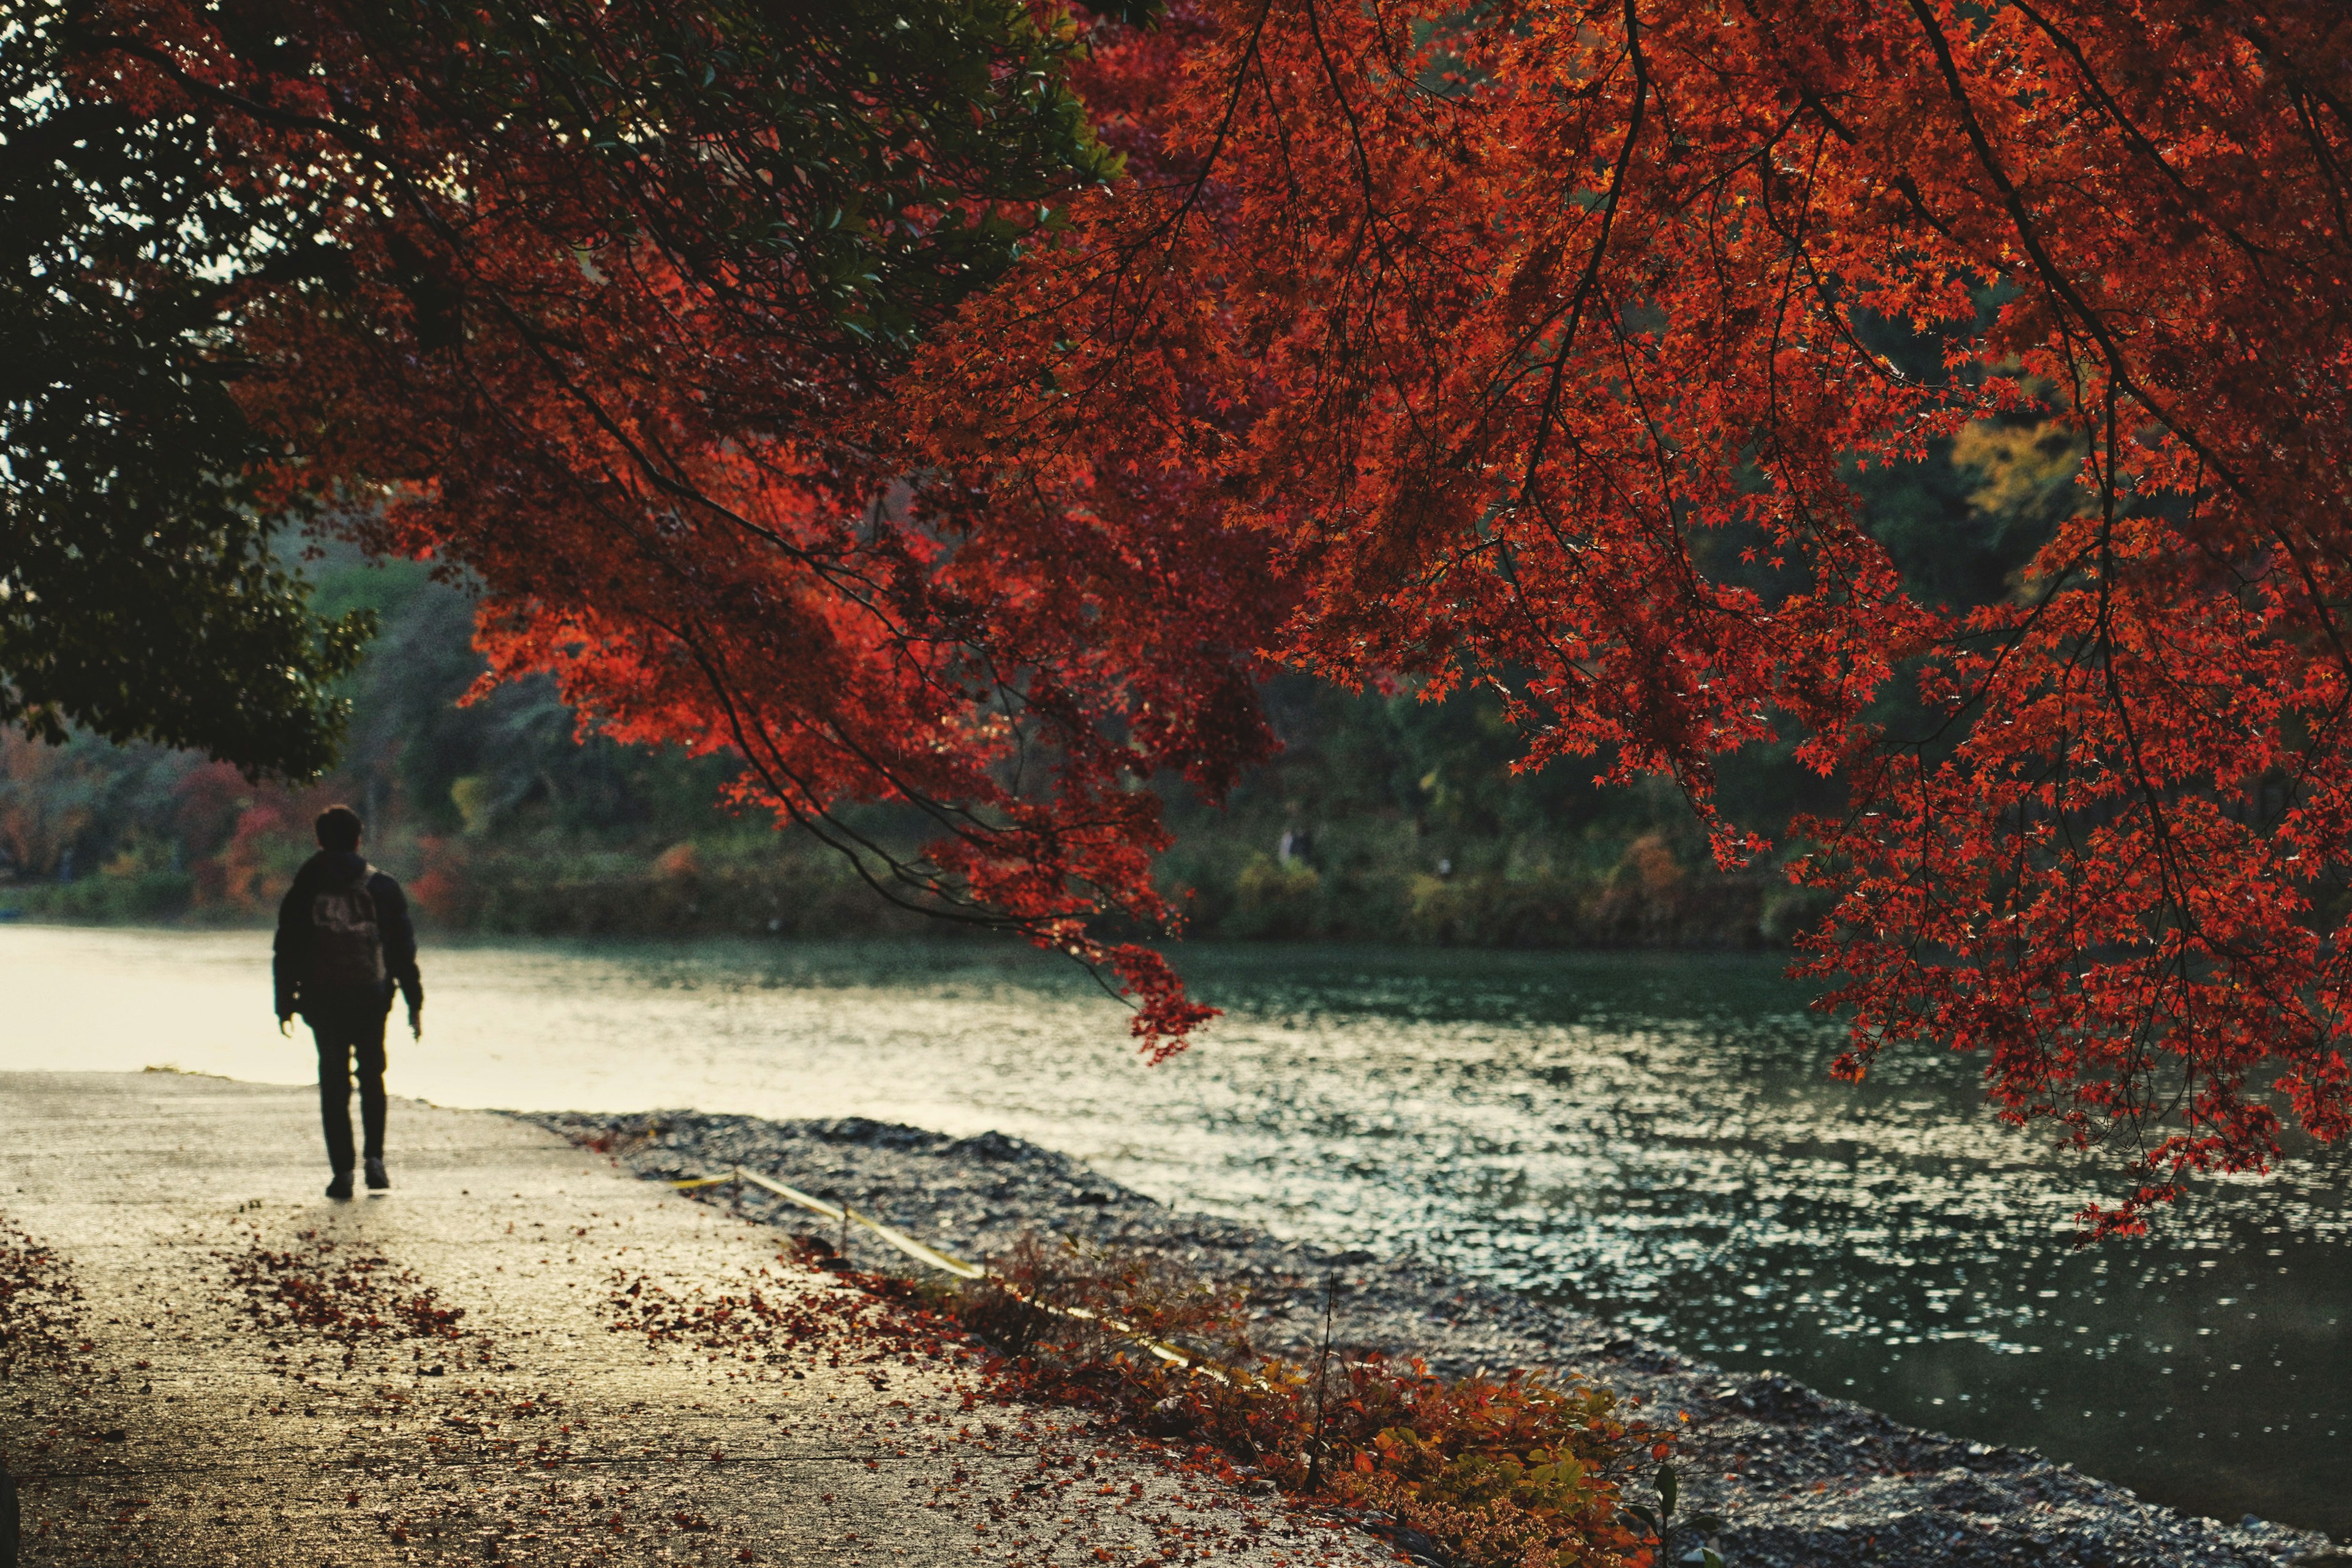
[(346, 1030)]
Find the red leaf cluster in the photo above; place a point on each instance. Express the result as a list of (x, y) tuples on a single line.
[(1537, 346)]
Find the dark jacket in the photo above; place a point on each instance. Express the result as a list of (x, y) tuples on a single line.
[(291, 965)]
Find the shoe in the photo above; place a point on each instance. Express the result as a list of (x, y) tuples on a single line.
[(340, 1187), (377, 1179)]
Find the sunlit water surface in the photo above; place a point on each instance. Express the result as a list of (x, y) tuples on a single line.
[(1651, 1138)]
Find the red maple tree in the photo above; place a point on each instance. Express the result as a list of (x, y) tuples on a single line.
[(611, 296), (1531, 345)]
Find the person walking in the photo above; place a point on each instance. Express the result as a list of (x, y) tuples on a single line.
[(344, 942)]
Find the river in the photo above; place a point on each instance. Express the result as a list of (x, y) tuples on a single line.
[(1652, 1138)]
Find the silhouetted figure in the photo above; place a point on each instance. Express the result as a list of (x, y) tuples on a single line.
[(344, 942)]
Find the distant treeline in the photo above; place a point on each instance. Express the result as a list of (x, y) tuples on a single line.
[(1386, 817)]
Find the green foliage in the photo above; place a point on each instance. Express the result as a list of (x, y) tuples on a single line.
[(505, 767), (1961, 523), (498, 815), (1691, 1529), (1406, 822), (137, 594)]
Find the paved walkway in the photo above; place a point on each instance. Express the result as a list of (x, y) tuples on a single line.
[(517, 1355)]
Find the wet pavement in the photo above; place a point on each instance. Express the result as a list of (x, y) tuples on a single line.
[(518, 1354)]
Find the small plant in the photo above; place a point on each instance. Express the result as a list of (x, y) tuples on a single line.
[(1517, 1471), (1692, 1530)]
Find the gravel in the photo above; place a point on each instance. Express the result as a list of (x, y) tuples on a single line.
[(1802, 1480)]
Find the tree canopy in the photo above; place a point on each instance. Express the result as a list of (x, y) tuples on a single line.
[(967, 405), (138, 593)]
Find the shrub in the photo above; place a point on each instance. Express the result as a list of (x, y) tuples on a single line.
[(1517, 1471), (1274, 899)]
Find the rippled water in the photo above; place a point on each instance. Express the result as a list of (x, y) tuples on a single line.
[(1651, 1138)]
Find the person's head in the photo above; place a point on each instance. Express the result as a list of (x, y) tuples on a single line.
[(339, 829)]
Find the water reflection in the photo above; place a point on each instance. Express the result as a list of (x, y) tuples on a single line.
[(1651, 1138)]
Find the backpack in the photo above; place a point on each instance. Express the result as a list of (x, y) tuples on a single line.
[(346, 949)]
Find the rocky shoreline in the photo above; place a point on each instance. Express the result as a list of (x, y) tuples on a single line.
[(1802, 1480)]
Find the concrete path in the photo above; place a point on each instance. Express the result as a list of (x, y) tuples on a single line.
[(517, 1355)]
